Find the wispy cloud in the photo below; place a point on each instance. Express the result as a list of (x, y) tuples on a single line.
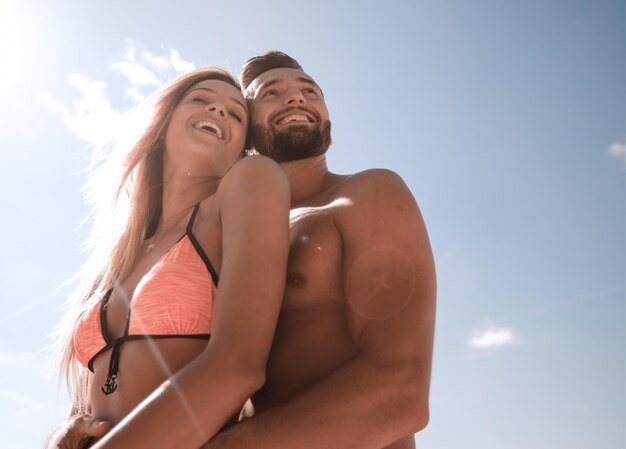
[(142, 69), (91, 117), (179, 64), (618, 149), (136, 74), (136, 54), (489, 339)]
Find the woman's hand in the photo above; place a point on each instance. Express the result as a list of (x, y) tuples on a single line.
[(76, 432)]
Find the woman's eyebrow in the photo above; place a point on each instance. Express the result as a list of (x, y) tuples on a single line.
[(213, 91)]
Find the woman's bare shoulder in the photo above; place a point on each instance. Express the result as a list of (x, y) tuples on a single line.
[(254, 173), (257, 165)]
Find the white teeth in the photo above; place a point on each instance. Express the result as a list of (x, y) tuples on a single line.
[(294, 118), (210, 127)]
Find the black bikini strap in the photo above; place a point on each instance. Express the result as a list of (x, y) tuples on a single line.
[(192, 219), (196, 244), (103, 323)]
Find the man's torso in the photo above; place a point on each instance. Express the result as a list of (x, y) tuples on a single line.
[(313, 335)]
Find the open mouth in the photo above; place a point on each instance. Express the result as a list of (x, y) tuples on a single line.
[(210, 127), (294, 117)]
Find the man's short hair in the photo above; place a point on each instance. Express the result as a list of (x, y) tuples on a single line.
[(257, 65)]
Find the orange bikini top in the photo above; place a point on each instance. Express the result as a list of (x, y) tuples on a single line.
[(173, 300)]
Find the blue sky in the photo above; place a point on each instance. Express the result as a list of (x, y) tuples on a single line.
[(506, 119)]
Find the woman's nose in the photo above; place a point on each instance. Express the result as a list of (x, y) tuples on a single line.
[(218, 108)]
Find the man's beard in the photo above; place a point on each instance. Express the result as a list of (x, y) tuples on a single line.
[(291, 145)]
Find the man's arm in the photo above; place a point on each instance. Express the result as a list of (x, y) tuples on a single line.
[(381, 394), (76, 432)]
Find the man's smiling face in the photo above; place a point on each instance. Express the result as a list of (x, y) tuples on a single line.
[(289, 117)]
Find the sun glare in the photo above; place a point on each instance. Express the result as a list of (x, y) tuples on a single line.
[(18, 46)]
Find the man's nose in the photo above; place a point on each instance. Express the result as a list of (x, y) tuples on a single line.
[(218, 108), (294, 96)]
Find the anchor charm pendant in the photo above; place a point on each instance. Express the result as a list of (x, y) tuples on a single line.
[(111, 384)]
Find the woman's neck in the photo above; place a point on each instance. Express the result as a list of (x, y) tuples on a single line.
[(181, 191)]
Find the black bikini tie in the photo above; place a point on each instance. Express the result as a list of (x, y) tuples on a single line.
[(111, 384)]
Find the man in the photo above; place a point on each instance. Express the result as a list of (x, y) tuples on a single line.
[(351, 359)]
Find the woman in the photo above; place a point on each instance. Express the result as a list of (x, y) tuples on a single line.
[(198, 216)]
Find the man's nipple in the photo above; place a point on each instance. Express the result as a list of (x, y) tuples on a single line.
[(296, 279)]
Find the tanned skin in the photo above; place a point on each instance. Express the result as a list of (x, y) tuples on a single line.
[(350, 363), (351, 359), (177, 393)]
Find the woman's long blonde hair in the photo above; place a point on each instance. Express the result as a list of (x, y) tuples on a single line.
[(121, 219)]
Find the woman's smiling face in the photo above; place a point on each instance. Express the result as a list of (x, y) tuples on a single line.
[(207, 129)]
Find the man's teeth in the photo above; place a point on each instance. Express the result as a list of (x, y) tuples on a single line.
[(210, 127), (294, 118)]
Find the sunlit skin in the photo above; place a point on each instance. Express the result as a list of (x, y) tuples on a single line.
[(351, 359), (177, 393), (191, 155)]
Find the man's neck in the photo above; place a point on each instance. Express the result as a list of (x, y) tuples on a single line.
[(306, 177)]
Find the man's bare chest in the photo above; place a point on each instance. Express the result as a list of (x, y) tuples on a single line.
[(314, 270)]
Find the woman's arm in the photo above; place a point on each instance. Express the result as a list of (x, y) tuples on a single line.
[(191, 406)]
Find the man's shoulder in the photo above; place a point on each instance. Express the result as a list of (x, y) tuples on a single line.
[(370, 195), (375, 182)]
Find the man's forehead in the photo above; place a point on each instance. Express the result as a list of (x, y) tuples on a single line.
[(278, 74)]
